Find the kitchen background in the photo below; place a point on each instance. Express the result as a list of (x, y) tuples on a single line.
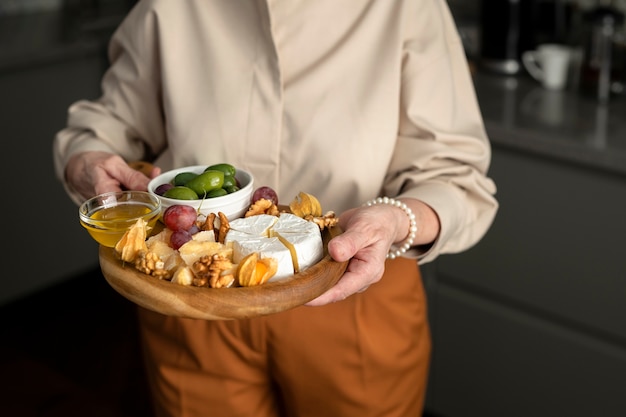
[(529, 322)]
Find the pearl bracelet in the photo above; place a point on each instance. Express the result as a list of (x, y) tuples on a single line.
[(395, 252)]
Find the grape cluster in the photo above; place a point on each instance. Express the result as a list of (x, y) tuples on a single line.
[(181, 220)]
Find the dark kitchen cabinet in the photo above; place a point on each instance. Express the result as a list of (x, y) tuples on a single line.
[(532, 320), (44, 242)]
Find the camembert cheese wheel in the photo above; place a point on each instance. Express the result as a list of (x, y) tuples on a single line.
[(294, 242)]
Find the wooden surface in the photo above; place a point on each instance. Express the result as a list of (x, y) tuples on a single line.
[(224, 303)]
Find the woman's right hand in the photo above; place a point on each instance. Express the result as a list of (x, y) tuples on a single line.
[(96, 172)]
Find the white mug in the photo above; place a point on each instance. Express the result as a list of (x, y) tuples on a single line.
[(548, 64)]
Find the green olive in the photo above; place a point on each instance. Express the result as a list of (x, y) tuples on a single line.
[(182, 178), (205, 182), (229, 181), (227, 169), (181, 193), (231, 189), (216, 193)]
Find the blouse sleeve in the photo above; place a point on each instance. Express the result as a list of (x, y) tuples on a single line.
[(127, 118), (442, 153)]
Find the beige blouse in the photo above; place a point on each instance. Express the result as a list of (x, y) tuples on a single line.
[(347, 100)]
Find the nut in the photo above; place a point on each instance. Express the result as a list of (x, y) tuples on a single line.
[(262, 206), (209, 224), (150, 263), (224, 227), (213, 271), (326, 221)]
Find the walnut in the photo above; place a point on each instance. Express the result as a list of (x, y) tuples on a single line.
[(262, 206), (326, 221), (150, 263), (209, 224), (224, 228), (213, 271)]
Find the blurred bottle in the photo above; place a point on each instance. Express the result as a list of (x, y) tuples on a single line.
[(511, 27), (505, 34), (602, 72), (552, 21)]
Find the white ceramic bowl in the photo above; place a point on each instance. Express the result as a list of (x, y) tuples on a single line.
[(233, 205)]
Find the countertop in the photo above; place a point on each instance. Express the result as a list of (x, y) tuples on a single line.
[(520, 115)]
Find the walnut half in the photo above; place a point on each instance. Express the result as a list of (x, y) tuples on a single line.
[(215, 271), (150, 263), (262, 206)]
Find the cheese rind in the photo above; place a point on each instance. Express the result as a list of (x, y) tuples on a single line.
[(266, 247), (254, 225), (293, 241), (305, 249), (303, 239), (289, 223)]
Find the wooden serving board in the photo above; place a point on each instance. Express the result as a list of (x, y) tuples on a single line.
[(222, 303)]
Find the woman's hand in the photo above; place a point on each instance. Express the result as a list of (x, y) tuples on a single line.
[(368, 234), (92, 173)]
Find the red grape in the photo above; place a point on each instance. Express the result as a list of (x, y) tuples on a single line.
[(179, 217), (194, 229), (179, 238), (161, 189), (265, 192)]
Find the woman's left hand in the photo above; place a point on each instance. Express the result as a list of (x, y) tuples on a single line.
[(369, 232)]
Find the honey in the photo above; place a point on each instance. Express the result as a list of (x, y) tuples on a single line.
[(108, 224)]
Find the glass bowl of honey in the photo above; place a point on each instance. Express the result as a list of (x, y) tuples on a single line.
[(108, 216)]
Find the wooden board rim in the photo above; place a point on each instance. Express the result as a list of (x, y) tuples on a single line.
[(225, 303)]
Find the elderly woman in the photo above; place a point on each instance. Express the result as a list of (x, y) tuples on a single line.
[(348, 100)]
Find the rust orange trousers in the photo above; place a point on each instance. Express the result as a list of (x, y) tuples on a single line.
[(365, 356)]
